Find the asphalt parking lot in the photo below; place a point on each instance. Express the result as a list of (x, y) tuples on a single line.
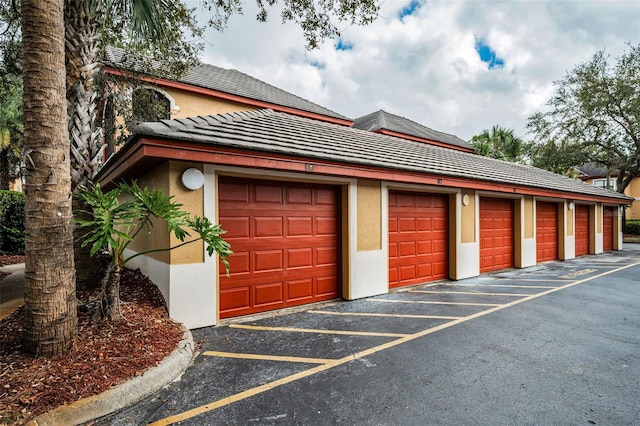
[(558, 343)]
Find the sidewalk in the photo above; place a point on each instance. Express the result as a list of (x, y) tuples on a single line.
[(11, 289)]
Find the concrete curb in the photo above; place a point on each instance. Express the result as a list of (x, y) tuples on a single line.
[(125, 394)]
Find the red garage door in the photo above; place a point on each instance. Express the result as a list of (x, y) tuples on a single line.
[(582, 230), (285, 240), (417, 238), (496, 234), (546, 231), (607, 228)]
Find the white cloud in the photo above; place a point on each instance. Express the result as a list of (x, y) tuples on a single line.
[(425, 66)]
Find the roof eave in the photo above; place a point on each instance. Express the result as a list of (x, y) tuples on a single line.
[(145, 152)]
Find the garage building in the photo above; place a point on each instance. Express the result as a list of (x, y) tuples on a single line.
[(318, 211)]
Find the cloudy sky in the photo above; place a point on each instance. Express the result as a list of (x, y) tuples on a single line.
[(455, 66)]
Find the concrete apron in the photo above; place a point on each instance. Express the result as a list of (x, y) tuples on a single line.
[(11, 289)]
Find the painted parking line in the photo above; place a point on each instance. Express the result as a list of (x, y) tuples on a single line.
[(506, 285), (372, 314), (294, 377), (268, 357), (538, 280), (474, 293), (429, 302), (316, 331)]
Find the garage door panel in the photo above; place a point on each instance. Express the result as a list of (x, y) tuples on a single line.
[(496, 234), (239, 262), (236, 192), (405, 200), (582, 234), (300, 226), (425, 270), (425, 248), (235, 298), (268, 294), (290, 250), (417, 237), (300, 196), (393, 225), (326, 256), (407, 224), (236, 227), (268, 227), (609, 214), (268, 260), (407, 249), (407, 273), (300, 289), (326, 226), (326, 197), (299, 258), (267, 194), (326, 287), (546, 231), (394, 274), (424, 224)]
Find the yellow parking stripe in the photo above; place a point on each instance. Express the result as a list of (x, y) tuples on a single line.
[(318, 331), (268, 386), (268, 357), (505, 285), (470, 292), (541, 280), (371, 314), (427, 302)]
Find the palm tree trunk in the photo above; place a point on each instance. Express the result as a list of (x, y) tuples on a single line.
[(83, 30), (109, 303), (50, 319)]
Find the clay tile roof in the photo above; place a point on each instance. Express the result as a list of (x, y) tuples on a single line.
[(382, 120), (232, 82), (285, 134)]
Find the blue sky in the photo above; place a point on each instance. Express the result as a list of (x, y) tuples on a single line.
[(455, 66), (488, 55)]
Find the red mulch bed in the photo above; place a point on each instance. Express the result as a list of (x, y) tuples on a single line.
[(106, 354)]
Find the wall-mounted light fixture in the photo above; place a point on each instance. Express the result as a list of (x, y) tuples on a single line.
[(571, 205), (192, 178), (465, 200)]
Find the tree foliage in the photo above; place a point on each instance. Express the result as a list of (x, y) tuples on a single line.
[(11, 132), (317, 19), (119, 216), (594, 117), (500, 143)]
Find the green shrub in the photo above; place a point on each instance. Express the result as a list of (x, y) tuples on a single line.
[(632, 227), (11, 222)]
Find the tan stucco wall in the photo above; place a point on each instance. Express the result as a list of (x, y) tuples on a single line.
[(193, 203), (569, 213), (369, 215), (158, 237), (468, 218), (193, 104), (166, 178), (633, 190), (529, 217)]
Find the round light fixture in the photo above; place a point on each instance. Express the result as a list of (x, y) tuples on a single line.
[(192, 178), (465, 200), (571, 205)]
